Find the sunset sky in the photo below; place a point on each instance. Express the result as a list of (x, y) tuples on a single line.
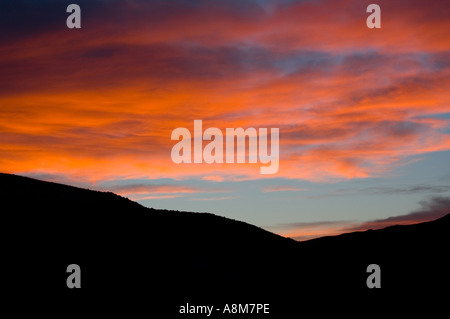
[(363, 114)]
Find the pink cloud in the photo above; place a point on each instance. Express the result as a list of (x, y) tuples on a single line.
[(432, 209)]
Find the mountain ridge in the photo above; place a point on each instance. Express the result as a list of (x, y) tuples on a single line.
[(127, 252), (64, 189), (110, 195)]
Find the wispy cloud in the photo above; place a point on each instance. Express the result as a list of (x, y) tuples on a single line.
[(142, 188), (138, 198), (349, 102), (431, 209), (270, 189), (386, 190), (309, 230), (215, 198)]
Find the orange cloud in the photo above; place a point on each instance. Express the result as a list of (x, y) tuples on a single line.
[(138, 198), (136, 189), (350, 102)]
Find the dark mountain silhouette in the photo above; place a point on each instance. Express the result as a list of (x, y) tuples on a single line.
[(139, 259)]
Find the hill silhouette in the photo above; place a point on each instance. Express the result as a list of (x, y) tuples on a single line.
[(134, 258)]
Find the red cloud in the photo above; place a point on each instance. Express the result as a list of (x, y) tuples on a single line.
[(349, 101)]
